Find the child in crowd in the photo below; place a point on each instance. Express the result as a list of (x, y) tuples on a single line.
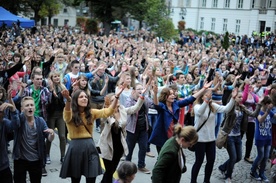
[(126, 172)]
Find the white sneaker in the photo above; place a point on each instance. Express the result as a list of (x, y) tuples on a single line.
[(228, 180), (48, 160)]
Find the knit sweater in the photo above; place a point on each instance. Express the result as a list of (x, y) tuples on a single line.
[(81, 131)]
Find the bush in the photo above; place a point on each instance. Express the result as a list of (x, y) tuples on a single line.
[(91, 27), (225, 43)]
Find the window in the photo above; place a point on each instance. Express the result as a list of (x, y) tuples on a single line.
[(65, 10), (269, 4), (180, 3), (55, 22), (213, 24), (263, 4), (66, 22), (215, 3), (188, 3), (227, 4), (203, 3), (253, 4), (224, 28), (238, 27), (240, 3), (201, 23)]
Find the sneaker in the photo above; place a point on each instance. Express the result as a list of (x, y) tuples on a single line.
[(144, 170), (44, 172), (150, 154), (255, 176), (61, 159), (48, 160), (228, 180), (264, 178), (248, 160)]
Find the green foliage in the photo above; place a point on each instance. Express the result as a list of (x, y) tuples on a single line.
[(157, 10), (225, 43), (165, 29), (50, 8)]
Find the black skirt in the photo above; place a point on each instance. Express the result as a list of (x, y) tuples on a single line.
[(81, 158)]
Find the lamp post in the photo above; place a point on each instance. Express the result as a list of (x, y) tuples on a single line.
[(183, 12)]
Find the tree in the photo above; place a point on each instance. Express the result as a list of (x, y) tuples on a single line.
[(35, 6), (12, 5), (225, 44), (138, 10), (156, 12), (49, 9), (165, 29), (106, 11)]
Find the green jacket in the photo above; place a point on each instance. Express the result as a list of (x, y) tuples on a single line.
[(167, 168)]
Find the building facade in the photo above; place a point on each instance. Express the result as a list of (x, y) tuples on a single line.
[(66, 17), (235, 16)]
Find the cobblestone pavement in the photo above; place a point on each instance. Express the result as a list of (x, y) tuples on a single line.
[(240, 174)]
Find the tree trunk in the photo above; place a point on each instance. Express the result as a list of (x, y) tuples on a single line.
[(49, 20), (107, 28), (36, 16), (140, 24)]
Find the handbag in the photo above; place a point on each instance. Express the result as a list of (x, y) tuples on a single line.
[(221, 139), (192, 148)]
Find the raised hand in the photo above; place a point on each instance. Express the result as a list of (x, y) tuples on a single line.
[(65, 94), (155, 89), (207, 85), (121, 89)]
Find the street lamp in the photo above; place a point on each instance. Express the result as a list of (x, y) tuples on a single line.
[(183, 12)]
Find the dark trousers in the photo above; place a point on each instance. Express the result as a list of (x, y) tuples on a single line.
[(21, 167), (152, 119), (6, 175), (202, 148), (140, 136), (249, 138), (111, 166)]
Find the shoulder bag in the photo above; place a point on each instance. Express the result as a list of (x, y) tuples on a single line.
[(192, 148)]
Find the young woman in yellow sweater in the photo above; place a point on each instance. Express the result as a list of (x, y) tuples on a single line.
[(82, 157)]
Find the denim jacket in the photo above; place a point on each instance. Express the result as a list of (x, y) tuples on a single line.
[(132, 119), (18, 121)]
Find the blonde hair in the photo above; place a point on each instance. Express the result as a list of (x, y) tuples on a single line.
[(60, 84), (25, 99), (189, 133)]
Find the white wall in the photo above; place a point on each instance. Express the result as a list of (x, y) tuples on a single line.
[(249, 17)]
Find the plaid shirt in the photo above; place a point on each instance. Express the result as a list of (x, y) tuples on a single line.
[(45, 98)]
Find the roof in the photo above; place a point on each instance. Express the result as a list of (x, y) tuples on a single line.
[(9, 18)]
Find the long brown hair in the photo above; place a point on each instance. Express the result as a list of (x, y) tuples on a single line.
[(164, 95), (76, 118)]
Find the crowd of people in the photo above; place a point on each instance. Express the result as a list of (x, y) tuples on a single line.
[(136, 89)]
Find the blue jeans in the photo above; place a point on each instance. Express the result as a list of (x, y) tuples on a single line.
[(234, 149), (140, 136), (202, 148), (151, 119), (261, 159), (219, 118)]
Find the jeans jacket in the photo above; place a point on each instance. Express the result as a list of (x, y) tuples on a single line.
[(132, 119), (19, 126)]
